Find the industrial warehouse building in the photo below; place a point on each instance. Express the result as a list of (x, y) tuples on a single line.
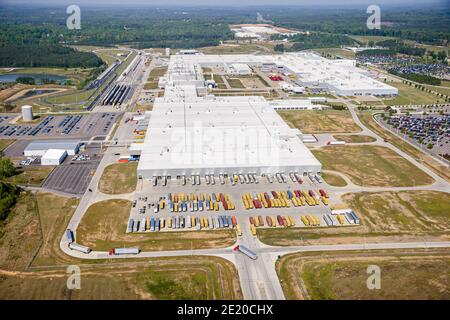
[(340, 77), (193, 133), (53, 157), (39, 147)]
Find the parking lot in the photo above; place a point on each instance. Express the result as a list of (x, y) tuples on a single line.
[(431, 131), (178, 204), (72, 178), (55, 126)]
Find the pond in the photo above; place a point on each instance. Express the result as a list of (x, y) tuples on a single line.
[(11, 77)]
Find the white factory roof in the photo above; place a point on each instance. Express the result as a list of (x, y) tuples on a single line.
[(52, 144), (192, 133), (337, 75), (220, 132), (54, 154)]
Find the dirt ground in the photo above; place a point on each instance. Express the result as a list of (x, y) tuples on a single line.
[(373, 166), (325, 121), (410, 275)]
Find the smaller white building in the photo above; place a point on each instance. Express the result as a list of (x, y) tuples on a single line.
[(38, 148), (53, 157)]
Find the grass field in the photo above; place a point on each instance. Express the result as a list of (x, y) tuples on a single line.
[(368, 165), (354, 138), (235, 83), (54, 215), (336, 52), (333, 179), (336, 276), (441, 170), (240, 48), (104, 224), (406, 211), (31, 176), (5, 143), (34, 227), (189, 278), (19, 234), (118, 178), (157, 73), (320, 121), (409, 95), (385, 217)]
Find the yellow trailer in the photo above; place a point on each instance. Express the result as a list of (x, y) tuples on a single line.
[(148, 223), (238, 230), (291, 220), (169, 223), (253, 229), (192, 221), (274, 221), (216, 206), (304, 220), (340, 218), (325, 201)]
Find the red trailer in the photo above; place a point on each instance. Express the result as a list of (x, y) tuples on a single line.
[(280, 220)]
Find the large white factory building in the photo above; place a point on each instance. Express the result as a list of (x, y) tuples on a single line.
[(192, 133)]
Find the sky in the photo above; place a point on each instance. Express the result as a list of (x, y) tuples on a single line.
[(356, 3)]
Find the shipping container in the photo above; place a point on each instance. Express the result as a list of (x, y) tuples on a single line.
[(253, 229), (238, 230), (122, 251), (249, 253), (79, 247), (69, 235)]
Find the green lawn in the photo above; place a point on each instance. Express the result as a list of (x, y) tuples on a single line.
[(410, 95), (235, 83), (354, 138), (5, 143), (31, 176)]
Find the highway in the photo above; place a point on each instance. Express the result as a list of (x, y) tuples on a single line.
[(258, 278)]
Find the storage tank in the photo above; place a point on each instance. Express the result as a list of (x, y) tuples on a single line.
[(27, 113)]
